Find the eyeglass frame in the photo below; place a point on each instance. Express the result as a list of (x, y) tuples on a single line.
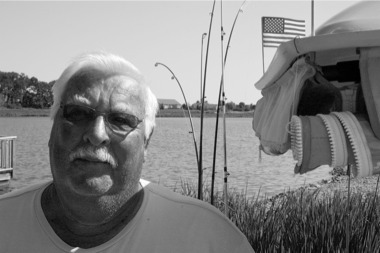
[(105, 116)]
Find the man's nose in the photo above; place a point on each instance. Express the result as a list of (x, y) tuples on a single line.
[(97, 133)]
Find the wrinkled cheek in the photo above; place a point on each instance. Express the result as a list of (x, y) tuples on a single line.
[(62, 140), (131, 161), (69, 135), (66, 136)]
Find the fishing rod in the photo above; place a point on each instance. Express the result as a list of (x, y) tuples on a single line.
[(203, 36), (225, 175), (221, 92), (188, 110), (200, 178), (200, 170)]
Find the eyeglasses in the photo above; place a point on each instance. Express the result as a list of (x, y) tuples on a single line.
[(118, 122)]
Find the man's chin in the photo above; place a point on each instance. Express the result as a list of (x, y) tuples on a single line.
[(93, 186)]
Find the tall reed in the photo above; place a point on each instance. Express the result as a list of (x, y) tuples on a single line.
[(303, 220)]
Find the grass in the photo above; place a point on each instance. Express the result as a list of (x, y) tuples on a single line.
[(197, 113), (302, 221), (24, 112)]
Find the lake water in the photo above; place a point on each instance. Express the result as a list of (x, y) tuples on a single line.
[(171, 156)]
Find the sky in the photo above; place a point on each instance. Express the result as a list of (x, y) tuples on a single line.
[(41, 38)]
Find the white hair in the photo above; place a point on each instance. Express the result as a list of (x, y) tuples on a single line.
[(109, 64)]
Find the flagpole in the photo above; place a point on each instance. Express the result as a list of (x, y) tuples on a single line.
[(262, 53), (262, 43), (312, 17)]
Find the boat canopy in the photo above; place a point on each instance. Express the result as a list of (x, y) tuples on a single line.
[(321, 95), (363, 16), (356, 27)]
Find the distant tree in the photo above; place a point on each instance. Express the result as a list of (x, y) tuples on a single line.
[(19, 87), (27, 100), (45, 96), (12, 86), (196, 106), (33, 81), (230, 106), (20, 90), (38, 95)]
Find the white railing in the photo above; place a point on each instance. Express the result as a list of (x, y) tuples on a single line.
[(7, 154)]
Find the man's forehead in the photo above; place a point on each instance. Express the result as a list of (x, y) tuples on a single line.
[(93, 79), (123, 84), (118, 92)]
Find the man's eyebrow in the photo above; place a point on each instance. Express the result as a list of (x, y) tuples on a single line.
[(78, 99)]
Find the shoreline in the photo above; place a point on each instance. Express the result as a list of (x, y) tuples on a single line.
[(338, 183), (24, 112), (168, 113)]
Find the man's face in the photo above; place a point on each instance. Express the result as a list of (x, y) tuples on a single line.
[(90, 174)]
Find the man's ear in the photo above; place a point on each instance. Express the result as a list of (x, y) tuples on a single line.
[(148, 139), (146, 144), (145, 154), (53, 133)]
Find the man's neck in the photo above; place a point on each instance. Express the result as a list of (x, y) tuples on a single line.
[(96, 223)]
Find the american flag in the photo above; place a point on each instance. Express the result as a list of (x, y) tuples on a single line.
[(278, 30)]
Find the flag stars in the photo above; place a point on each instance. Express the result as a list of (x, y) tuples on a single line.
[(274, 25)]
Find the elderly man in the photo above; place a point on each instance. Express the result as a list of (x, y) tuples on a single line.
[(104, 116)]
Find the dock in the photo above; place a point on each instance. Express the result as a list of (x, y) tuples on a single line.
[(6, 159)]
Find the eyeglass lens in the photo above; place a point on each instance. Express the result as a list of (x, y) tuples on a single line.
[(82, 115)]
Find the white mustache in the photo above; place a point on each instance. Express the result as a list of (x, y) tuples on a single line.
[(101, 154)]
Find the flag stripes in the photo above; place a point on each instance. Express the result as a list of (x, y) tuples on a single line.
[(276, 30)]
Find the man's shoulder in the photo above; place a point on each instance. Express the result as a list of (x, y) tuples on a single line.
[(23, 191), (171, 195), (175, 199), (193, 217)]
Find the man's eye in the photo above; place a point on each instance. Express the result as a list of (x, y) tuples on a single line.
[(122, 120), (119, 120), (77, 114)]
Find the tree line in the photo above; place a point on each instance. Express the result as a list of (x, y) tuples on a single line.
[(230, 106), (18, 90)]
